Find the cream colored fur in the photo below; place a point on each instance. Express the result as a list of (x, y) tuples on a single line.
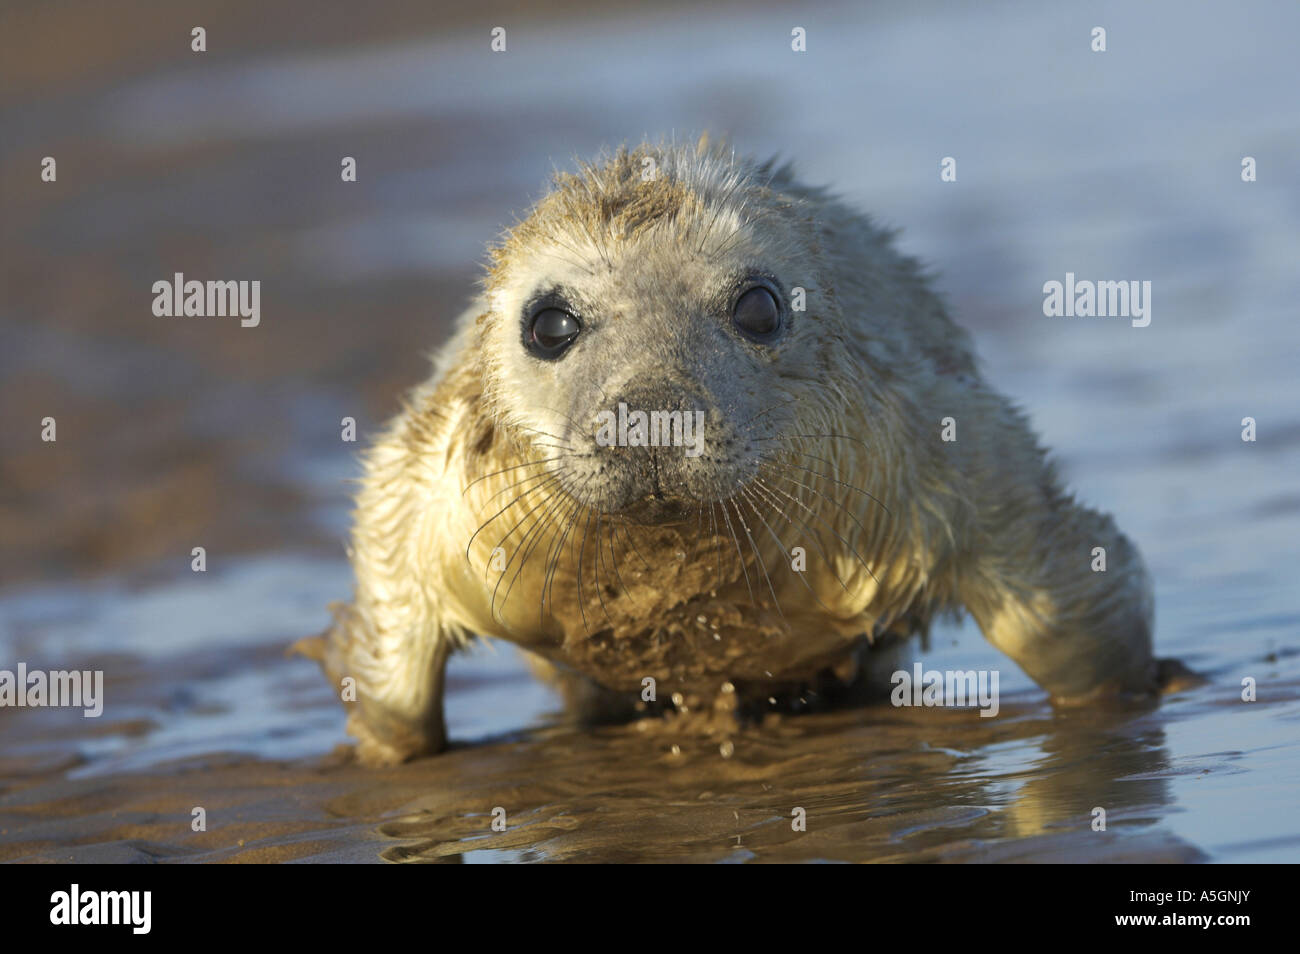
[(918, 525)]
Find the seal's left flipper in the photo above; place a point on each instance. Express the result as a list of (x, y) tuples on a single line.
[(1038, 592), (1172, 676)]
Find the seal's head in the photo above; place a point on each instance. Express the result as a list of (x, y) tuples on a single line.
[(651, 329)]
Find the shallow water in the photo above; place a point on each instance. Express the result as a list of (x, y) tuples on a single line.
[(174, 435)]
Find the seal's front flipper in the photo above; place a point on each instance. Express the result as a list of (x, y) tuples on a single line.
[(1172, 676), (391, 686), (1066, 595)]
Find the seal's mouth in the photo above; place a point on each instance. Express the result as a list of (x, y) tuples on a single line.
[(659, 509)]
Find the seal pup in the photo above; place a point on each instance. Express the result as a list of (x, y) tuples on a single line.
[(851, 474)]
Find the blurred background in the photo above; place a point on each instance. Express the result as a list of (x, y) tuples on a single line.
[(225, 164)]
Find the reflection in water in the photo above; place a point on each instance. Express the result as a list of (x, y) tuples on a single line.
[(871, 787)]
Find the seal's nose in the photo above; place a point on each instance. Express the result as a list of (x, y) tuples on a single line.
[(653, 444), (661, 426)]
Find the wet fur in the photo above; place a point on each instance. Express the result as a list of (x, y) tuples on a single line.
[(897, 524)]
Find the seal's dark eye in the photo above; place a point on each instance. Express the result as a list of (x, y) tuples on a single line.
[(551, 331), (757, 313)]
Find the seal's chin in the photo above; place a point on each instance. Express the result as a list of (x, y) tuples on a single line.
[(658, 509)]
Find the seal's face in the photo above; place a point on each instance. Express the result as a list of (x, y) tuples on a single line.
[(648, 341)]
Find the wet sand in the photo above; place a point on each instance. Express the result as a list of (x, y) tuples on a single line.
[(876, 785)]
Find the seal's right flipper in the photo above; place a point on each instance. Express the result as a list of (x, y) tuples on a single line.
[(391, 687)]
